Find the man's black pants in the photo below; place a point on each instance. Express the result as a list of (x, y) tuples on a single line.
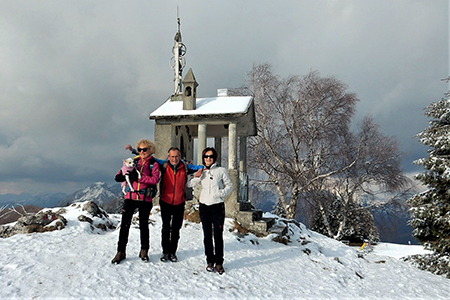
[(172, 220)]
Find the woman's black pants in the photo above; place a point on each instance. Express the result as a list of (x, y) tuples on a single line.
[(213, 218), (129, 207)]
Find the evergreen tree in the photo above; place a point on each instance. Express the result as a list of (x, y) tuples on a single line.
[(279, 209), (358, 227), (431, 209)]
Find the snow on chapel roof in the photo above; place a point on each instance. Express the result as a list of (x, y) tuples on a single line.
[(205, 106)]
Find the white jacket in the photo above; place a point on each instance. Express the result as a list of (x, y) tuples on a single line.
[(216, 185)]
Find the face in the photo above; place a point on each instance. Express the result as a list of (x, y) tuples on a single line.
[(174, 157), (208, 158), (142, 153)]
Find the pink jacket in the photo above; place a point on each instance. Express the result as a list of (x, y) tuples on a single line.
[(147, 179)]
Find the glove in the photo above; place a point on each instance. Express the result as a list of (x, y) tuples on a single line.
[(133, 175), (119, 177)]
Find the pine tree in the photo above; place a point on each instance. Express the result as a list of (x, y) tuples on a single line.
[(279, 209), (431, 209)]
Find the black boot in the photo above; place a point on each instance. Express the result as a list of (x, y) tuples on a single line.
[(220, 269), (144, 255), (164, 257), (119, 257), (210, 267)]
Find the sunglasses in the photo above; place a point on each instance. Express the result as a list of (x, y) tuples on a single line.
[(142, 149), (208, 156)]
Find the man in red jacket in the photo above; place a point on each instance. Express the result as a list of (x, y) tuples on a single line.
[(174, 173), (172, 201)]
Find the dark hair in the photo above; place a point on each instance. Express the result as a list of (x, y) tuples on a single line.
[(206, 150)]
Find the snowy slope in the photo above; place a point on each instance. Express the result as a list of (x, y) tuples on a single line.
[(74, 263)]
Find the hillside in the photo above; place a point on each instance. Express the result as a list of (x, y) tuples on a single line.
[(74, 263)]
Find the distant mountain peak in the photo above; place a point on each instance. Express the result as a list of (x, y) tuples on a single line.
[(98, 192)]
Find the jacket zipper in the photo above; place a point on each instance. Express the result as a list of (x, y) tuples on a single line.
[(139, 184), (174, 183)]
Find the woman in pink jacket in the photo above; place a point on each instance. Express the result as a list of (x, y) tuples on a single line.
[(140, 198)]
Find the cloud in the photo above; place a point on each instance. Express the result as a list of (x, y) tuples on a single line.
[(78, 79)]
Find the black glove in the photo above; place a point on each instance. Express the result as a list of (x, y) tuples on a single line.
[(119, 177), (133, 175)]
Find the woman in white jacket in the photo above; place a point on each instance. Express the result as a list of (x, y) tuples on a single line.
[(216, 184)]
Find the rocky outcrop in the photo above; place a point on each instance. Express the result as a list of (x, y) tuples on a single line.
[(43, 221), (50, 220)]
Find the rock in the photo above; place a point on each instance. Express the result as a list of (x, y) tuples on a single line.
[(94, 209), (83, 218), (39, 222)]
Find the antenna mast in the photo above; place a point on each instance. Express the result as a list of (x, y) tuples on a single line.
[(178, 62)]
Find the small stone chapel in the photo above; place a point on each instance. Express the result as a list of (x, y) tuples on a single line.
[(188, 122)]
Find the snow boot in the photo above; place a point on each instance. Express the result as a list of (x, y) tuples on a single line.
[(210, 267), (173, 258), (220, 269), (118, 258), (143, 255), (164, 257)]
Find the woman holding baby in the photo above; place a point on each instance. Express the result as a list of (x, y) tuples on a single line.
[(138, 199)]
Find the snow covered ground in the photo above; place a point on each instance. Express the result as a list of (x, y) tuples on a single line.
[(74, 263)]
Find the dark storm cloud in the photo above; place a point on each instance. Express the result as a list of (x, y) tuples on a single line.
[(78, 79)]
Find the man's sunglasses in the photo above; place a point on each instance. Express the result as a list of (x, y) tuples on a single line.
[(142, 149)]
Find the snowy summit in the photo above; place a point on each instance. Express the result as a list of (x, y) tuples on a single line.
[(75, 263)]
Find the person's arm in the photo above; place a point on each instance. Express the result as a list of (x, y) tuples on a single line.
[(193, 168), (119, 177), (160, 161), (227, 182), (195, 179), (133, 151)]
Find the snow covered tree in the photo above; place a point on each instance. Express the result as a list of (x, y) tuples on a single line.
[(431, 209), (376, 170), (279, 209), (358, 225)]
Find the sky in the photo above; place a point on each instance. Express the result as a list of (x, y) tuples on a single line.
[(75, 263), (79, 79)]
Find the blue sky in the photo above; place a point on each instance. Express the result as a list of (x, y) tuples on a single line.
[(78, 79)]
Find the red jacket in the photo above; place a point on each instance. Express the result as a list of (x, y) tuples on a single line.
[(173, 182)]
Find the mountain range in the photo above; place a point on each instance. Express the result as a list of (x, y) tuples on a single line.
[(390, 218)]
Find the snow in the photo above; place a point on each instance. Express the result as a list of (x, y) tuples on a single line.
[(205, 106), (74, 263)]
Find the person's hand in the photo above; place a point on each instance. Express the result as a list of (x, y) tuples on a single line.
[(218, 194), (128, 147), (133, 175), (198, 173), (119, 177)]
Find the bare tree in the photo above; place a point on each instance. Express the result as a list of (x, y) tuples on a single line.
[(308, 153), (301, 124), (376, 170), (4, 210)]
